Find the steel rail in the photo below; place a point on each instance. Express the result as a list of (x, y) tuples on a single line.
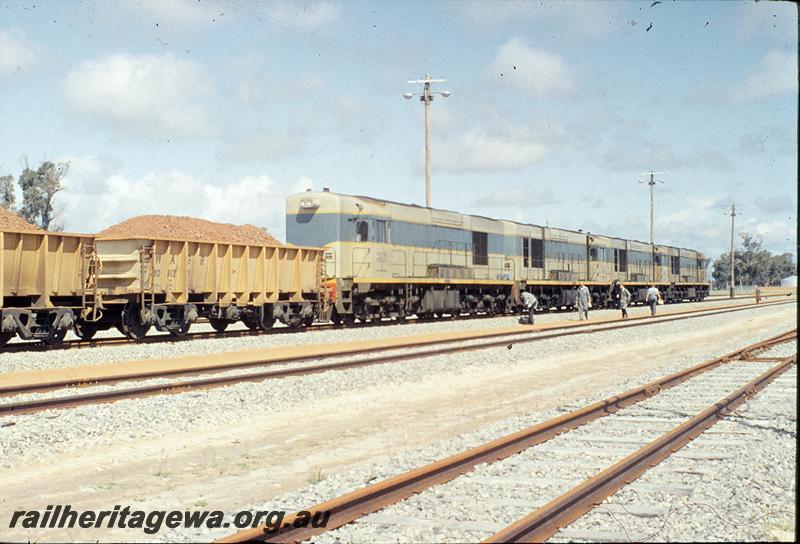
[(24, 346), (540, 525), (223, 367), (353, 505), (72, 401)]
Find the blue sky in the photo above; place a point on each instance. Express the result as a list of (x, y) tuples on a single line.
[(221, 108)]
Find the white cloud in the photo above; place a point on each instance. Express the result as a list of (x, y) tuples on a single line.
[(98, 194), (152, 94), (480, 151), (16, 54), (701, 223), (643, 154), (776, 74), (775, 204), (529, 70), (307, 15)]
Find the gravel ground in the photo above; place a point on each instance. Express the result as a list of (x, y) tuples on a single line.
[(336, 484), (48, 434), (14, 362), (240, 372), (748, 494)]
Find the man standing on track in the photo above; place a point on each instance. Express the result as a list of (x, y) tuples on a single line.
[(582, 298), (758, 294), (530, 302), (652, 298), (624, 300)]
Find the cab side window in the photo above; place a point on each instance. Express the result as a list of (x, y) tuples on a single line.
[(362, 231), (379, 232)]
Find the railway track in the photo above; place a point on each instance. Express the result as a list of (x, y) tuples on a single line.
[(546, 465), (388, 351), (21, 346)]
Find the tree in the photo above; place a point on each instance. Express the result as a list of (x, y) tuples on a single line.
[(754, 264), (39, 188), (781, 266), (7, 196)]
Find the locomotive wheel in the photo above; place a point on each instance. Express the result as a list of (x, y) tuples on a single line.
[(218, 325), (348, 320), (307, 322), (131, 325), (85, 330), (5, 337)]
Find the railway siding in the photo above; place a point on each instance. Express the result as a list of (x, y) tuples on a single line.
[(337, 483), (87, 374)]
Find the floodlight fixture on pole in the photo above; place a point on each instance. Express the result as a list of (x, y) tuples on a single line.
[(426, 97), (652, 184)]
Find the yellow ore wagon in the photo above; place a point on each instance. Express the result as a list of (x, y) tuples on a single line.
[(137, 283), (41, 284)]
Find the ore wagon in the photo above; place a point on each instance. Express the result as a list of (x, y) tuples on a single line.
[(41, 283), (136, 283)]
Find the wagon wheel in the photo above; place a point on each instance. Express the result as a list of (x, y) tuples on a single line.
[(251, 323), (348, 320), (56, 336), (131, 324), (181, 330), (5, 337), (307, 322), (261, 320), (218, 325), (85, 330), (295, 321)]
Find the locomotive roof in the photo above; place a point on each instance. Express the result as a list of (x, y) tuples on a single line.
[(384, 201)]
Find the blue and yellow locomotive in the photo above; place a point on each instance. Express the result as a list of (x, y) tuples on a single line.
[(386, 259)]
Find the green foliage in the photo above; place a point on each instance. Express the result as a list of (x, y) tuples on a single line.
[(7, 196), (39, 188), (754, 264)]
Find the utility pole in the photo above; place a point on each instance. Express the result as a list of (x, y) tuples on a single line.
[(652, 184), (426, 97), (733, 260)]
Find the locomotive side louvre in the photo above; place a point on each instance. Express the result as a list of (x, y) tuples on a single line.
[(40, 283)]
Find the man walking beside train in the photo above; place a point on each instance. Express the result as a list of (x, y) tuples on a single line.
[(652, 297), (583, 298), (624, 300)]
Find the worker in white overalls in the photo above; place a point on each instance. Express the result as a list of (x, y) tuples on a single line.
[(530, 302)]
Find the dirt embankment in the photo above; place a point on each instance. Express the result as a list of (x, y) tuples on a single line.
[(189, 228)]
